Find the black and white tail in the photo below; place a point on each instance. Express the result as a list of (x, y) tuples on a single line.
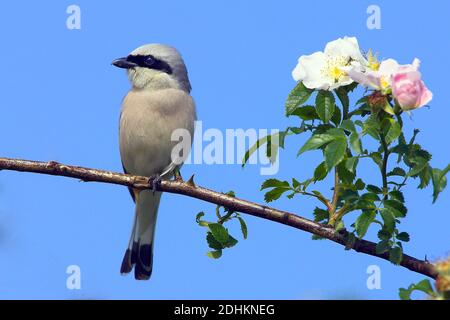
[(139, 253)]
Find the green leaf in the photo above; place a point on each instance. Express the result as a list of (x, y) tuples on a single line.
[(397, 171), (373, 189), (388, 219), (439, 181), (359, 184), (231, 242), (212, 242), (363, 222), (299, 95), (397, 195), (335, 152), (370, 197), (342, 94), (201, 223), (391, 130), (355, 143), (396, 255), (243, 227), (351, 164), (403, 236), (388, 109), (424, 286), (382, 246), (320, 214), (372, 127), (325, 105), (274, 194), (346, 176), (348, 125), (337, 116), (219, 232), (215, 254), (376, 157), (315, 142), (320, 172), (253, 148), (306, 113), (398, 206), (274, 183)]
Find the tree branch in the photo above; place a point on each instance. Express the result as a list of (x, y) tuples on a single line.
[(236, 204)]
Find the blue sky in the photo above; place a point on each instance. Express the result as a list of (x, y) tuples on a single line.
[(61, 101)]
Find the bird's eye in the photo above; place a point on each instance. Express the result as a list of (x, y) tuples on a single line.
[(149, 61)]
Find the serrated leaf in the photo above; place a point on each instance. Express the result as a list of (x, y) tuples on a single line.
[(345, 175), (363, 222), (388, 219), (231, 242), (396, 255), (439, 181), (325, 105), (355, 143), (274, 183), (219, 232), (305, 113), (335, 152), (320, 172), (243, 227), (371, 127), (376, 157), (348, 125), (316, 141), (397, 171), (397, 195), (320, 214), (373, 189), (212, 242), (370, 197), (403, 236), (391, 130), (274, 194), (424, 286), (351, 164), (299, 95), (337, 116), (342, 94), (397, 206)]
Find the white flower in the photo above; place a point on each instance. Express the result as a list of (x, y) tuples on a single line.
[(328, 70), (378, 76)]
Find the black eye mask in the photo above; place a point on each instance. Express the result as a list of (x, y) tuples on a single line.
[(150, 62)]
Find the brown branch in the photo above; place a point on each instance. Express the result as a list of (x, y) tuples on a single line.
[(191, 190)]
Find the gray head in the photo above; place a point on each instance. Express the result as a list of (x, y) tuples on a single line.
[(155, 66)]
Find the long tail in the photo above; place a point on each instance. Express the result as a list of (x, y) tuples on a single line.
[(139, 253)]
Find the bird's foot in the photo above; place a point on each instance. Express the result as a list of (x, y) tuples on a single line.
[(154, 181)]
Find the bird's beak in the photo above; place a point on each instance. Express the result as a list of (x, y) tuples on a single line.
[(124, 63)]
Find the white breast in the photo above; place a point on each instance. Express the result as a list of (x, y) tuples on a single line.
[(147, 121)]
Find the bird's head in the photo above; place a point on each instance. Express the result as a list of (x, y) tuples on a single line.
[(155, 66)]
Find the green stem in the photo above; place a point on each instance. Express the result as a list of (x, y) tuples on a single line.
[(385, 162)]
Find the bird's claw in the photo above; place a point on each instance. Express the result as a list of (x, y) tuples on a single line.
[(154, 181)]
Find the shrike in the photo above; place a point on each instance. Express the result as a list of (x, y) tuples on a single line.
[(158, 103)]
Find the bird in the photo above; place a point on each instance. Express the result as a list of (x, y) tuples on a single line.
[(158, 103)]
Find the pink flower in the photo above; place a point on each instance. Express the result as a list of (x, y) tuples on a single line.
[(409, 90)]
